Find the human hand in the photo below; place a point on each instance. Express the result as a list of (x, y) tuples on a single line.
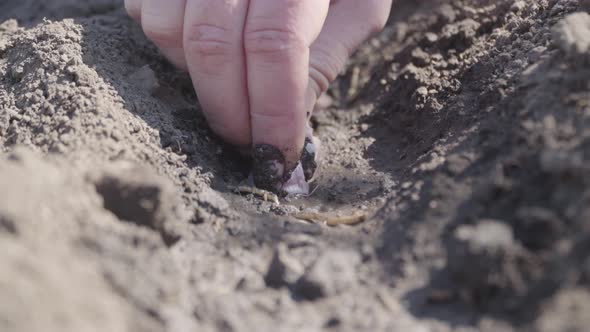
[(259, 66)]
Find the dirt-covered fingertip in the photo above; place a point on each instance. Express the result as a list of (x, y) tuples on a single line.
[(268, 168), (309, 158)]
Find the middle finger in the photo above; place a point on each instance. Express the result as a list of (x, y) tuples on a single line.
[(215, 59)]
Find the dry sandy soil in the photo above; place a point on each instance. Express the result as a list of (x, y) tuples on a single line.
[(462, 132)]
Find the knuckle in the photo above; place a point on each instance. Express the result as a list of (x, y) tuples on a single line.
[(320, 79), (208, 39), (326, 64), (274, 41)]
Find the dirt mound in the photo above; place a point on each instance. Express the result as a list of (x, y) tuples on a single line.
[(461, 133)]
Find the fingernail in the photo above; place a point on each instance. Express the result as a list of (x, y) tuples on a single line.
[(269, 167), (308, 159)]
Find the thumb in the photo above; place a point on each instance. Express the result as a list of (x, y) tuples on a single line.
[(349, 24)]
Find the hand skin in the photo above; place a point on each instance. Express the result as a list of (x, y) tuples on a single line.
[(259, 66)]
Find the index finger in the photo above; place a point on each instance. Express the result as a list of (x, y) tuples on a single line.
[(277, 39)]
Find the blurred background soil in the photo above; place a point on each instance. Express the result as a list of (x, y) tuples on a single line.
[(462, 131)]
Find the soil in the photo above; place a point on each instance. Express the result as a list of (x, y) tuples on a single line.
[(268, 167), (462, 131)]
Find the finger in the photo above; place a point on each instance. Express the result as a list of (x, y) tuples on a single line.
[(162, 22), (349, 24), (133, 8), (215, 59), (277, 37), (310, 154)]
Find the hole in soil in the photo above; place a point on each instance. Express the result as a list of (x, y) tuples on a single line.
[(141, 203), (7, 225)]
